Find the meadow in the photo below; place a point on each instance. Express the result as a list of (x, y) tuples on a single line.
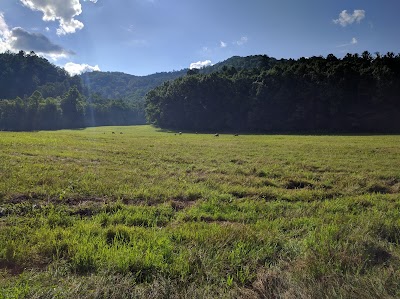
[(136, 212)]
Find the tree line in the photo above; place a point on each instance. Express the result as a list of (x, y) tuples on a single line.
[(358, 93), (37, 95), (72, 110)]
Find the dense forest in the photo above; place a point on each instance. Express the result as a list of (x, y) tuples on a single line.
[(36, 95), (358, 93), (23, 73), (130, 88), (241, 63)]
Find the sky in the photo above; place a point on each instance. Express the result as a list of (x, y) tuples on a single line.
[(142, 37)]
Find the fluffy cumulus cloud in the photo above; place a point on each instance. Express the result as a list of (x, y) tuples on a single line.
[(37, 42), (200, 64), (354, 41), (347, 19), (17, 39), (77, 69), (4, 34), (3, 25), (63, 11)]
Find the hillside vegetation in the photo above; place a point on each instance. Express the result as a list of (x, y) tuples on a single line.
[(359, 93), (24, 73), (132, 212), (130, 88), (37, 95)]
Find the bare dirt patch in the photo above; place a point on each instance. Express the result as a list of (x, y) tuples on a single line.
[(295, 184), (179, 205), (11, 268), (14, 268)]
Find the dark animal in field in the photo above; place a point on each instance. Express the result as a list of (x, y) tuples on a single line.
[(120, 132), (236, 135), (180, 133), (113, 133), (216, 135)]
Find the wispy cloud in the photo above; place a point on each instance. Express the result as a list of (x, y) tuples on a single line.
[(242, 41), (347, 19), (130, 28), (200, 64), (353, 41), (222, 44), (77, 69)]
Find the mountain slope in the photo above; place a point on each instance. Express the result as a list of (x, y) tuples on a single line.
[(117, 85), (21, 74), (131, 88), (240, 63)]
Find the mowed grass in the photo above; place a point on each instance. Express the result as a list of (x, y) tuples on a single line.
[(141, 213)]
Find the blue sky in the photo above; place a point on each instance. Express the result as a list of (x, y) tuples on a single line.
[(142, 37)]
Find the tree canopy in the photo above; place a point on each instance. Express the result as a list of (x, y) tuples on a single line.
[(23, 73), (35, 95), (358, 93)]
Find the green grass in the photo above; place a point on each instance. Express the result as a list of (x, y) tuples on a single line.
[(147, 214)]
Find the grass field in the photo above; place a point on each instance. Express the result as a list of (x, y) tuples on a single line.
[(141, 213)]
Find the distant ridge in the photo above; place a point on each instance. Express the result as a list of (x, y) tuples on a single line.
[(132, 88)]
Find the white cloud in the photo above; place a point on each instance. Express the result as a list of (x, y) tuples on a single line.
[(200, 64), (130, 28), (4, 34), (223, 45), (353, 41), (3, 25), (242, 41), (77, 69), (62, 11), (18, 39), (348, 19)]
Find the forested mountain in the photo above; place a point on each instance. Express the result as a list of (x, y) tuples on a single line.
[(116, 85), (359, 93), (241, 63), (23, 73), (35, 94), (130, 88)]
